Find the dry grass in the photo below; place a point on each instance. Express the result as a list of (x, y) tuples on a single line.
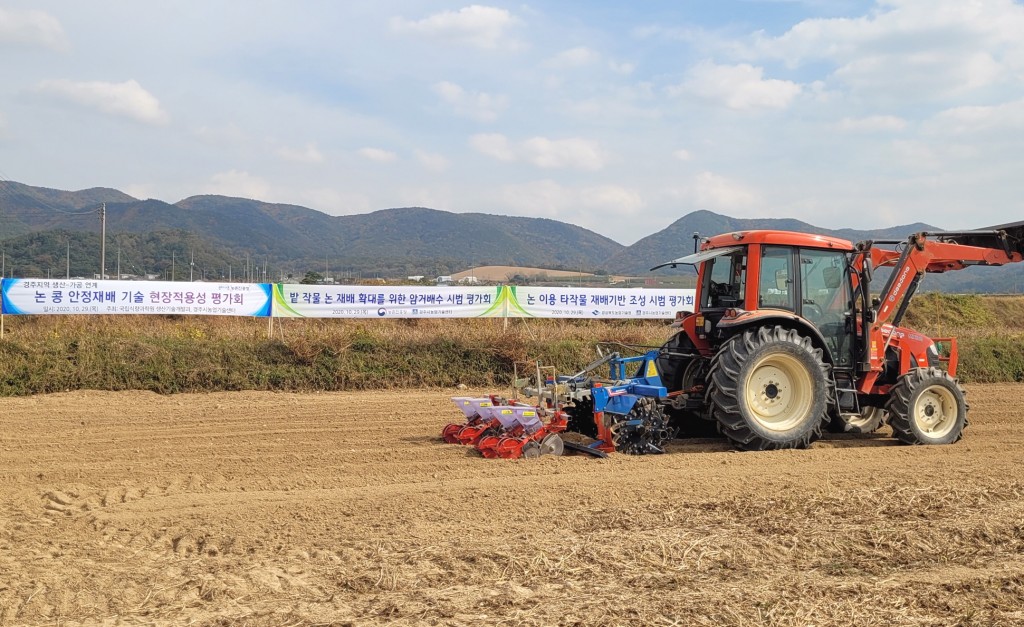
[(180, 354)]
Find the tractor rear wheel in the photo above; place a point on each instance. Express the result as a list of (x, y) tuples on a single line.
[(927, 406), (770, 389)]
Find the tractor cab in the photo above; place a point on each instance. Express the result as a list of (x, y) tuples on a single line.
[(752, 277)]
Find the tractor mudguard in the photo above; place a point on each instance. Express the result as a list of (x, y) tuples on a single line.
[(764, 317)]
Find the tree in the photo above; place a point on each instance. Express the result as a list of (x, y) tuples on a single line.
[(312, 278)]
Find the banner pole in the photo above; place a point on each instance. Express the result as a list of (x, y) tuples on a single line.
[(506, 290)]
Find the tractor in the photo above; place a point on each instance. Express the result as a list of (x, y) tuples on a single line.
[(788, 338)]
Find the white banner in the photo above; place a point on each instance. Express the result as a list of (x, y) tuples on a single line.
[(387, 301), (568, 302), (75, 296)]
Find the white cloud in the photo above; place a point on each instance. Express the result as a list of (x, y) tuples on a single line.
[(715, 193), (922, 73), (230, 134), (439, 197), (476, 105), (682, 154), (433, 162), (582, 154), (577, 205), (127, 99), (475, 25), (307, 154), (911, 48), (139, 190), (915, 155), (626, 106), (575, 153), (238, 183), (573, 58), (718, 192), (36, 28), (333, 202), (612, 199), (378, 155), (621, 67), (980, 119), (654, 31), (740, 87), (872, 123), (493, 145)]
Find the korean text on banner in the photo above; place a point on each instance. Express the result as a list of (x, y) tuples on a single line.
[(568, 302), (60, 296), (387, 301)]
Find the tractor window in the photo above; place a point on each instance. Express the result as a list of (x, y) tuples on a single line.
[(826, 293), (826, 297), (776, 285), (725, 282)]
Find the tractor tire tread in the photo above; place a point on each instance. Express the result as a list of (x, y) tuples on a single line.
[(723, 393), (901, 398)]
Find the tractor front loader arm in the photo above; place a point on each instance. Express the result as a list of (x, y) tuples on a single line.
[(932, 252)]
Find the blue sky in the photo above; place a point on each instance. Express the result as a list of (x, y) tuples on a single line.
[(619, 117)]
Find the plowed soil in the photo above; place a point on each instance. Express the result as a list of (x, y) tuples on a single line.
[(345, 508)]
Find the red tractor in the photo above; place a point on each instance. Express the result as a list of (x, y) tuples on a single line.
[(787, 339)]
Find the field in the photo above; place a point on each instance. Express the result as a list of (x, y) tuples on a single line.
[(263, 508), (504, 273)]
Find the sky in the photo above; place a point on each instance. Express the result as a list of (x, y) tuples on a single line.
[(618, 117)]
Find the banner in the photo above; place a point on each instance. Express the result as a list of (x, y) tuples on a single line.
[(568, 302), (80, 296), (387, 301), (75, 296)]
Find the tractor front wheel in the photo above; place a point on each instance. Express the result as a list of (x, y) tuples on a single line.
[(770, 389), (927, 406)]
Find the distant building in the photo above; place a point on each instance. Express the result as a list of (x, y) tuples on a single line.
[(415, 277), (469, 279), (444, 279)]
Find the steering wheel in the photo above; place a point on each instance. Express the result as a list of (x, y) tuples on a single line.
[(812, 311)]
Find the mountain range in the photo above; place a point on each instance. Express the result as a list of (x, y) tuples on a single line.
[(223, 235)]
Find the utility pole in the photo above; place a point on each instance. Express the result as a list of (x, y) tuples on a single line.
[(191, 263), (119, 263), (69, 260), (172, 265), (103, 241)]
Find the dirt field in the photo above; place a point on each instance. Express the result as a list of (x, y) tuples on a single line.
[(281, 509), (503, 273)]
